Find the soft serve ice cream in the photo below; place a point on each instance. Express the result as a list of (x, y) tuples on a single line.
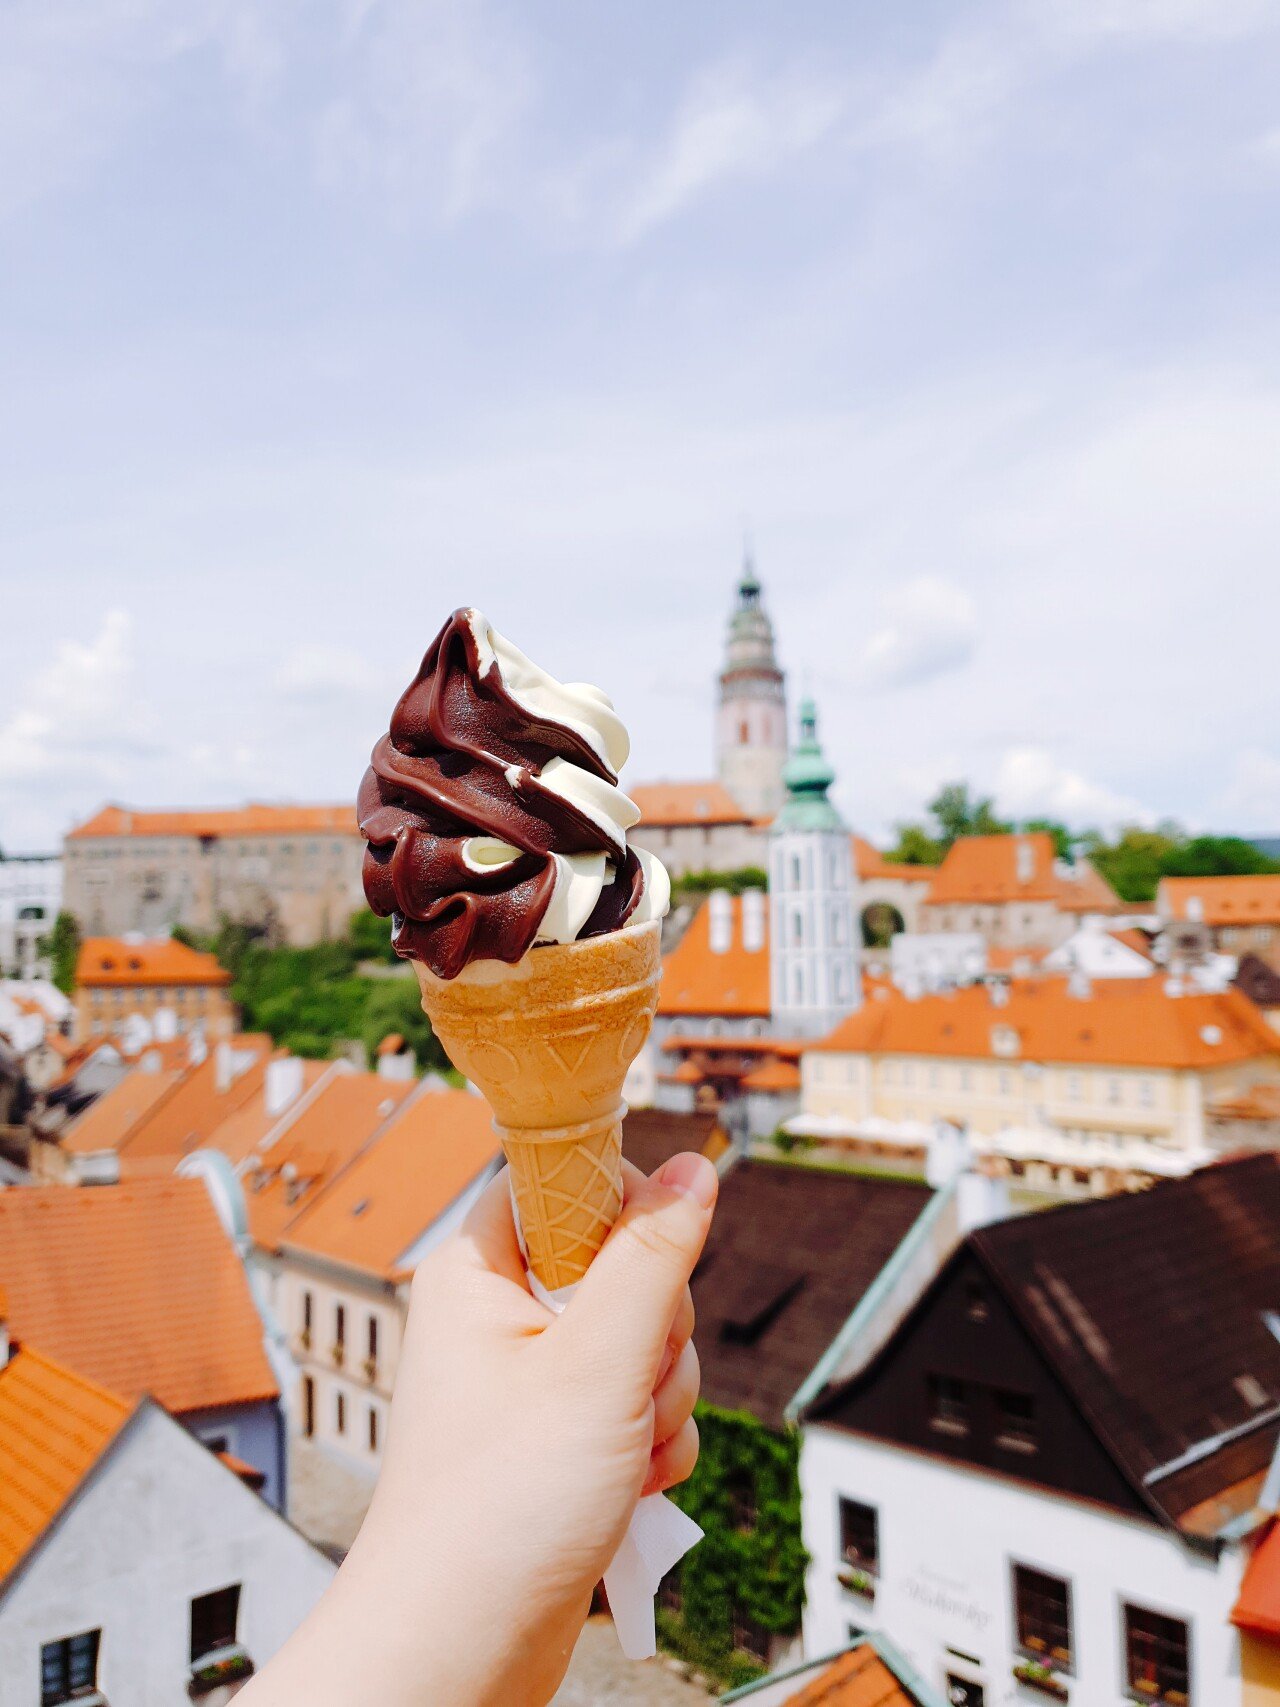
[(492, 810)]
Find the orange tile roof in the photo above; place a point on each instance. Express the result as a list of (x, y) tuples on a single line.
[(1223, 900), (667, 805), (315, 1146), (186, 1119), (772, 1075), (111, 962), (110, 1118), (983, 871), (790, 1049), (252, 820), (54, 1427), (136, 1285), (239, 1135), (1259, 1102), (696, 981), (419, 1163), (869, 862), (1123, 1022), (859, 1678), (1258, 1608)]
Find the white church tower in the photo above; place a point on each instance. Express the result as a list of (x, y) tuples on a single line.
[(751, 723), (814, 956)]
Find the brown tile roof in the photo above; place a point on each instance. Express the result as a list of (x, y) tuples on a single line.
[(108, 1120), (421, 1160), (1223, 900), (983, 871), (651, 1136), (205, 1096), (869, 862), (110, 962), (1122, 1022), (1258, 1608), (54, 1427), (138, 1287), (791, 1252), (668, 805), (1199, 1259), (314, 1147), (696, 981), (252, 820), (859, 1678)]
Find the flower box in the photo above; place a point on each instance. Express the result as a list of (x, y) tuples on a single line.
[(857, 1582), (370, 1367), (1033, 1675), (339, 1354), (304, 1339), (231, 1668)]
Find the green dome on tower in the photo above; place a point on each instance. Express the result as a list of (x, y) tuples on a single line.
[(807, 776)]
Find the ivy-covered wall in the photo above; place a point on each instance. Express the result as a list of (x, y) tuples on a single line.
[(745, 1492)]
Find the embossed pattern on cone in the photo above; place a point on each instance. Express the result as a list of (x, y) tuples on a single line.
[(549, 1041)]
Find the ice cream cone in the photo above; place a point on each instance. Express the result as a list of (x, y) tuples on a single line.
[(549, 1041)]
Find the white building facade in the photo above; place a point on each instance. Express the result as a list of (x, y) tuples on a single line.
[(950, 1540), (814, 964), (30, 896)]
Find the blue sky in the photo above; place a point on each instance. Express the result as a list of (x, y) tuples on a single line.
[(319, 319)]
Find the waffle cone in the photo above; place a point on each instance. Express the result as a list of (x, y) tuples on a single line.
[(549, 1041)]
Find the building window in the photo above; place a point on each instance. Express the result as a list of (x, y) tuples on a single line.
[(795, 871), (339, 1332), (1016, 1422), (1157, 1657), (742, 1504), (744, 732), (1042, 1612), (306, 1318), (750, 1637), (69, 1667), (340, 1413), (797, 929), (372, 1356), (860, 1536), (308, 1407), (1115, 1090), (373, 1428), (948, 1405), (213, 1621), (1073, 1087), (976, 1307)]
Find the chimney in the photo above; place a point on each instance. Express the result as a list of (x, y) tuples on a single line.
[(998, 992), (1079, 985), (197, 1048), (283, 1085), (1195, 909), (1024, 856), (164, 1023), (720, 921), (224, 1070), (753, 920), (397, 1064)]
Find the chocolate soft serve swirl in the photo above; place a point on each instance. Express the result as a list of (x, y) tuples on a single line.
[(492, 810)]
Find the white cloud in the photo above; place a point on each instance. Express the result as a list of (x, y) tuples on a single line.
[(734, 124), (1031, 783), (931, 626), (79, 717), (1251, 799), (314, 671)]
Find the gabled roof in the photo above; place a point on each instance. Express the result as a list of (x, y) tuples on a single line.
[(424, 1157), (1257, 1609), (229, 1076), (1222, 900), (138, 1287), (54, 1427), (790, 1254), (322, 1138), (1129, 1022), (1153, 1309), (109, 1119), (869, 862), (858, 1678), (651, 1136), (697, 981), (994, 870), (668, 805), (252, 820), (110, 962)]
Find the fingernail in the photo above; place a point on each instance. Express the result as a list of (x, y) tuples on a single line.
[(692, 1176)]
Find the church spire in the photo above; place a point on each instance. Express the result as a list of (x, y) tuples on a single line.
[(751, 724), (807, 776)]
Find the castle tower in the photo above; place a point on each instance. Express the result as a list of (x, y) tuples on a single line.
[(814, 957), (751, 724)]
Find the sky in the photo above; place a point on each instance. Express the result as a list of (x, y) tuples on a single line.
[(319, 319)]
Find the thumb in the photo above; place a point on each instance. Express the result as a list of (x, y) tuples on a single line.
[(628, 1298)]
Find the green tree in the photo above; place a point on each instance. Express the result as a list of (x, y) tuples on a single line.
[(64, 950), (957, 813), (915, 846), (1217, 856), (370, 937), (1063, 840), (1134, 862), (395, 1005)]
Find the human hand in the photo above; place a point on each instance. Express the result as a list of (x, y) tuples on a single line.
[(518, 1447)]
